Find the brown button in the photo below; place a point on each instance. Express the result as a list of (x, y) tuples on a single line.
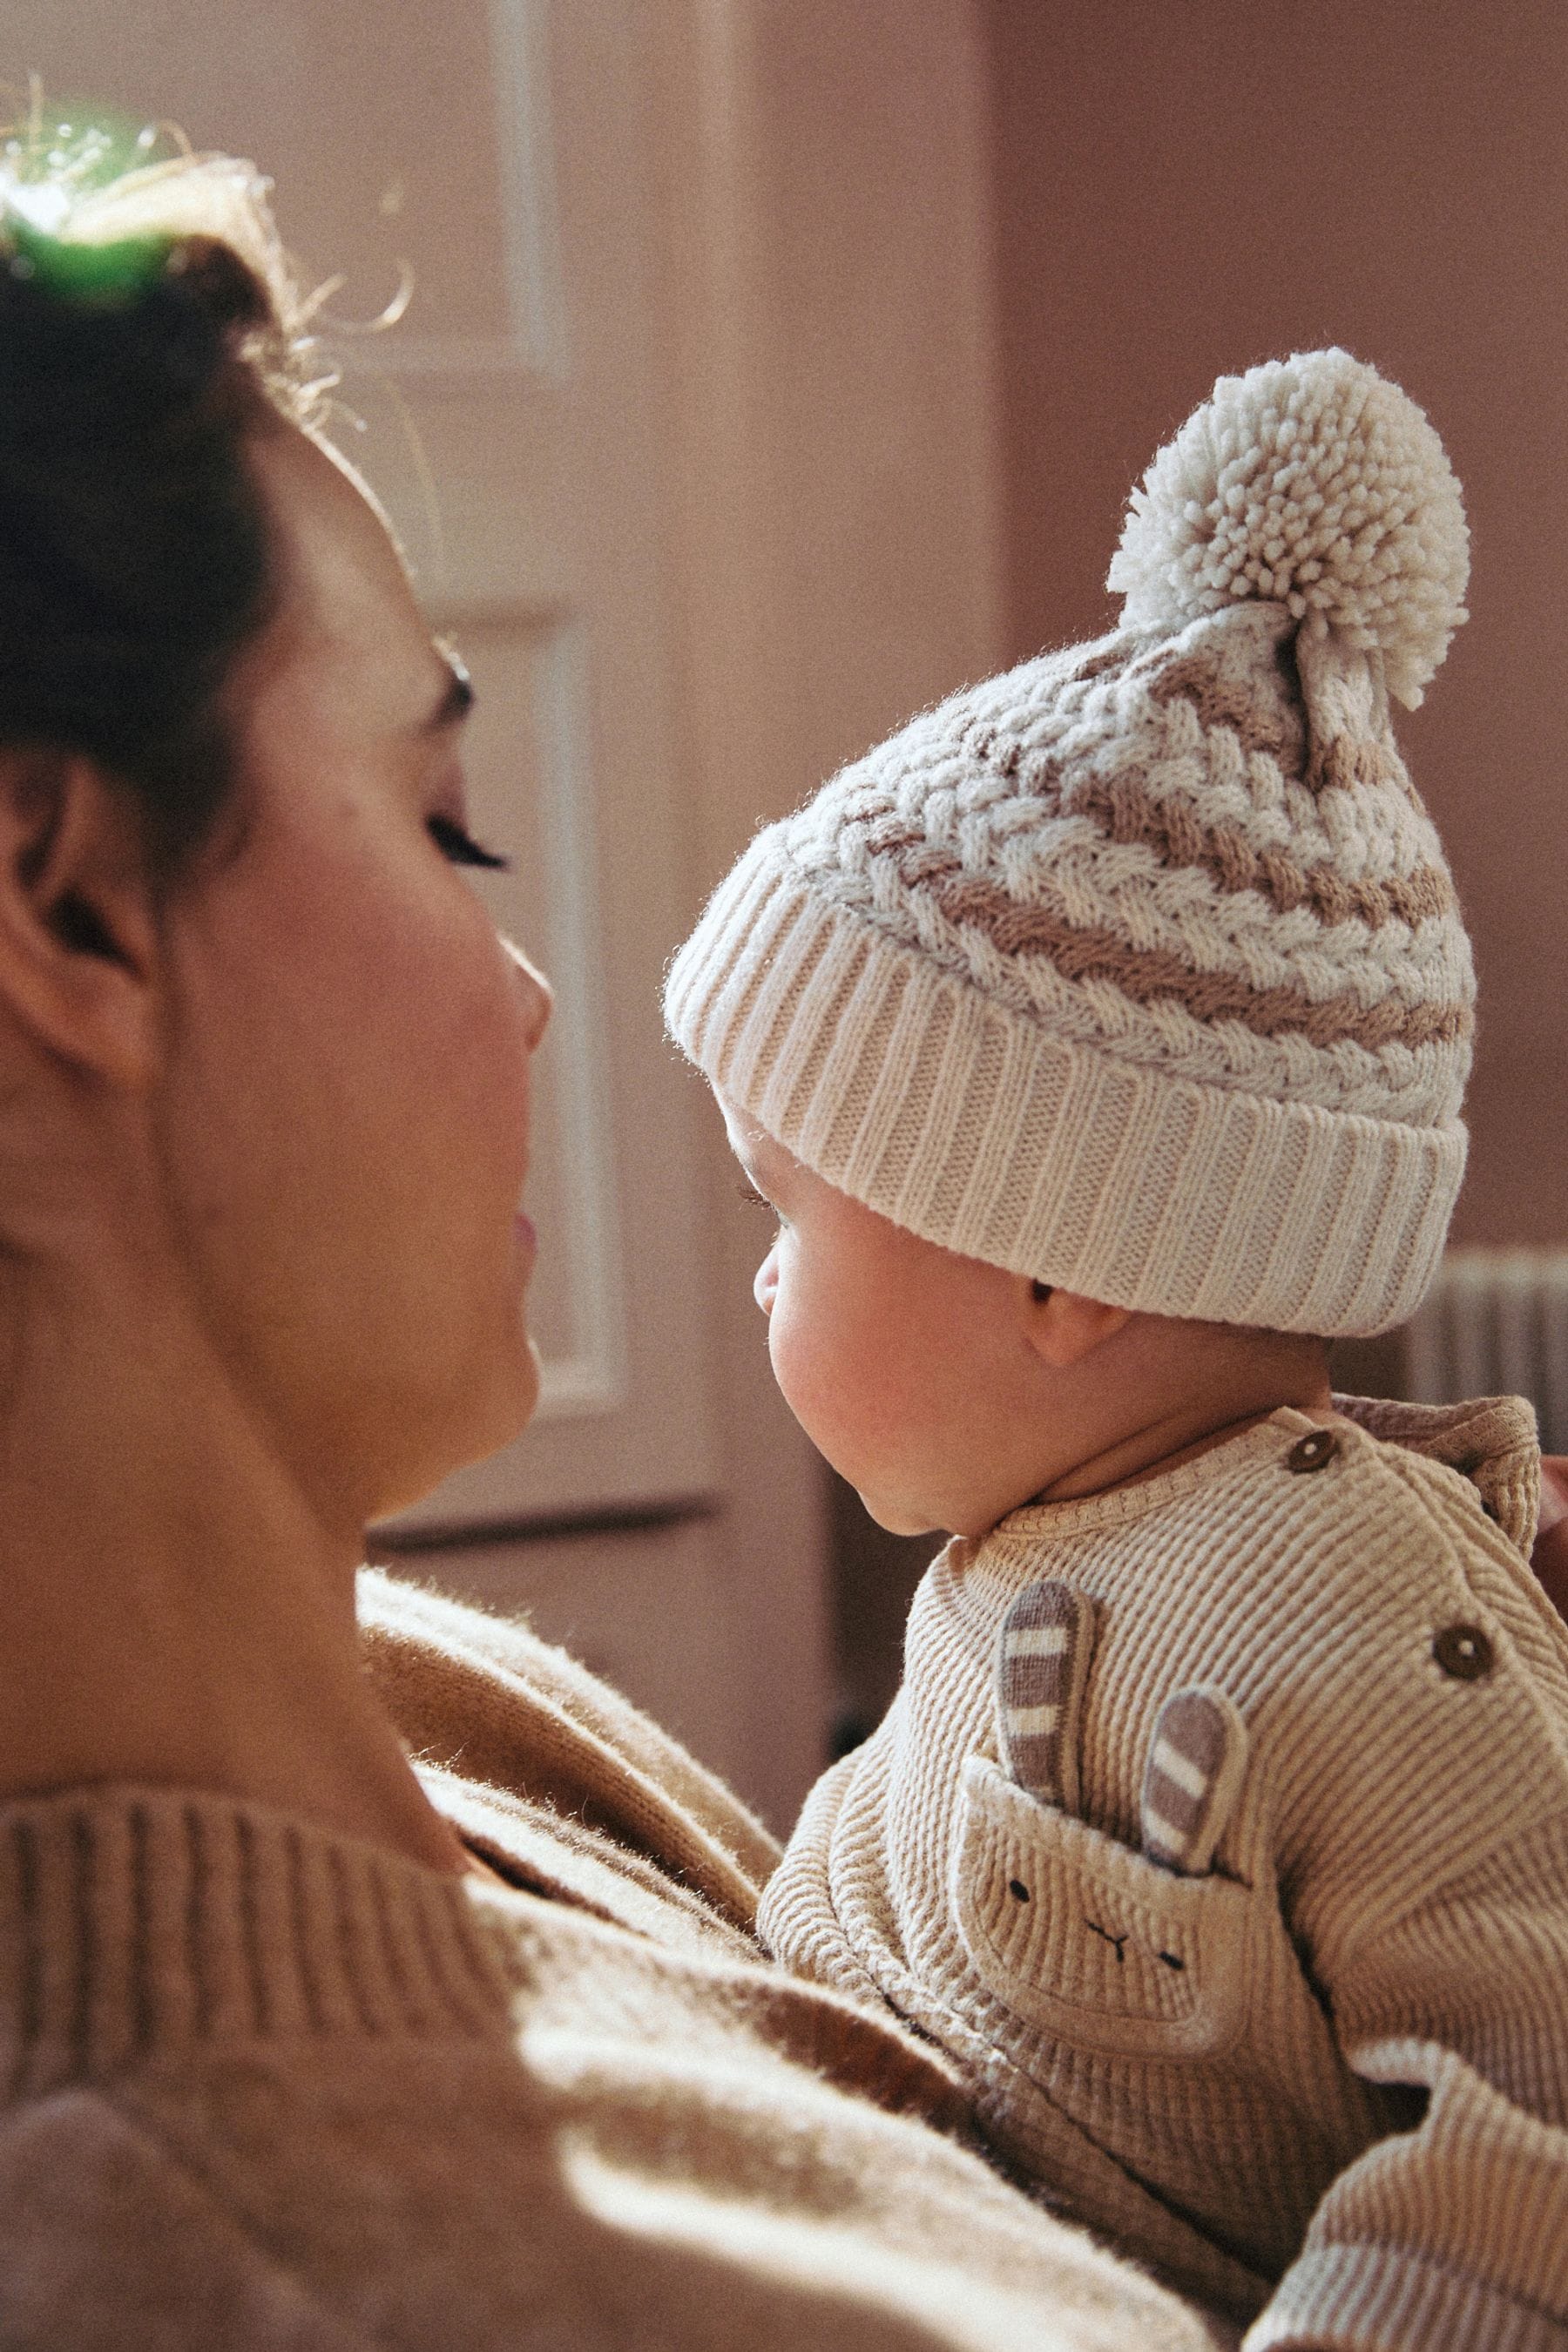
[(1313, 1452), (1463, 1652)]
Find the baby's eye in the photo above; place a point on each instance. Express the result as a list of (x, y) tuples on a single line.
[(454, 843), (753, 1198)]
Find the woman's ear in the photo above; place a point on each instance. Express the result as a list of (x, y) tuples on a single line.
[(78, 933), (1064, 1328)]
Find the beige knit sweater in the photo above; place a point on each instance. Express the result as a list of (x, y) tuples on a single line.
[(263, 2089), (1220, 1833)]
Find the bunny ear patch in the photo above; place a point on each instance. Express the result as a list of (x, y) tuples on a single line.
[(1042, 1660), (1196, 1758)]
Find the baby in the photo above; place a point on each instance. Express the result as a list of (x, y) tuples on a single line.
[(1099, 1042)]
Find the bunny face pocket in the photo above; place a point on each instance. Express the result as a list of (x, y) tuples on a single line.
[(1079, 1936)]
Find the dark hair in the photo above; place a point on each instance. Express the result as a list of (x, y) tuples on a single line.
[(133, 545)]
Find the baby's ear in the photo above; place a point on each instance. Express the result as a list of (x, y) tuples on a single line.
[(1064, 1326)]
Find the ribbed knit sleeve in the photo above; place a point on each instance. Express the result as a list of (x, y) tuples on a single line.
[(1454, 2232), (1479, 1967), (1453, 2235)]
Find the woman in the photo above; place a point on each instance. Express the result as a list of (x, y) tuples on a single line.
[(300, 2046)]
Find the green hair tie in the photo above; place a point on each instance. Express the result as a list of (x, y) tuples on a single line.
[(95, 274)]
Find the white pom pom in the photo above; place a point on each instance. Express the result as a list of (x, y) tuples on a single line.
[(1312, 483)]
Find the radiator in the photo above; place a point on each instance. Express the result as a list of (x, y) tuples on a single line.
[(1495, 1322)]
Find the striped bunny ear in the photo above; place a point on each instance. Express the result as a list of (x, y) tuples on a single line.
[(1042, 1659), (1196, 1758)]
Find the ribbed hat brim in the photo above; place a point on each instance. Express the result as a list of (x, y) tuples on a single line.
[(897, 1081)]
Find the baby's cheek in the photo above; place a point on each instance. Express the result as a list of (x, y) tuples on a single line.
[(790, 1357), (841, 1402), (802, 1357)]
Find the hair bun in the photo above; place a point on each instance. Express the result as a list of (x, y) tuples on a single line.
[(1313, 483)]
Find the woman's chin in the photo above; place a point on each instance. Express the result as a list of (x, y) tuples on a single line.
[(506, 1408), (509, 1404)]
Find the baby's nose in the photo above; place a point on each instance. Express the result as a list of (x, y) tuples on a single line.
[(765, 1282)]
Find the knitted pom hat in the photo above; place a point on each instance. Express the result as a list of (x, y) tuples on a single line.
[(1139, 970)]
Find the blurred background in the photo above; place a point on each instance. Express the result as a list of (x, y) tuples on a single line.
[(772, 366)]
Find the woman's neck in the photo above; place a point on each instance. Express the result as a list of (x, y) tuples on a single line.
[(173, 1613)]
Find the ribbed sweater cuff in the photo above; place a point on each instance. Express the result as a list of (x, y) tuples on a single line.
[(135, 1920), (1372, 2299)]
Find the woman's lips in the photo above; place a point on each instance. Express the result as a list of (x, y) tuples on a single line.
[(525, 1232)]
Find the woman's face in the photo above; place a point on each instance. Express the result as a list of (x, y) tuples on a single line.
[(344, 1123)]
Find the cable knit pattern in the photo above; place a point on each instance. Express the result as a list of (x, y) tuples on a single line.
[(1219, 2065), (1158, 920)]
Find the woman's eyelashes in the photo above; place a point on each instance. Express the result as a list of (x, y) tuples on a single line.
[(456, 842)]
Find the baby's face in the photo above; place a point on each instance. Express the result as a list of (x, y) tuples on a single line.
[(909, 1366)]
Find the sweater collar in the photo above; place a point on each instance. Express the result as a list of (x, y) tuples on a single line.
[(1491, 1441), (1117, 1507), (138, 1920)]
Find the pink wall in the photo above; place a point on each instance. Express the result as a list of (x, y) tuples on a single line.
[(1186, 186)]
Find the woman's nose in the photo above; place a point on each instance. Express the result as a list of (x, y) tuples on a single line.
[(538, 996)]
